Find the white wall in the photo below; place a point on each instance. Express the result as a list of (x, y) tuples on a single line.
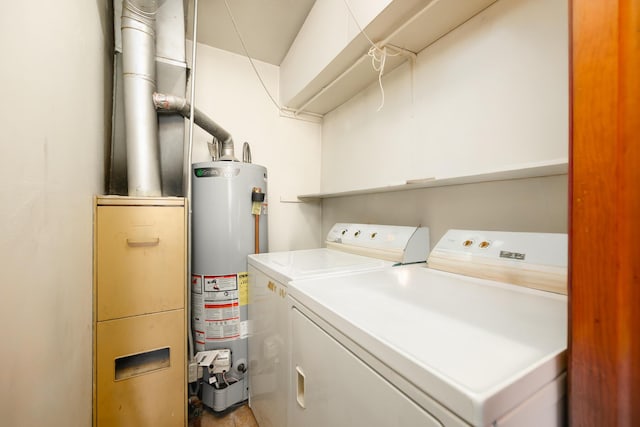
[(532, 205), (228, 90), (55, 122), (490, 95), (328, 29)]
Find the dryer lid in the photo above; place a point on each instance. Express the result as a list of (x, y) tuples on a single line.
[(290, 265)]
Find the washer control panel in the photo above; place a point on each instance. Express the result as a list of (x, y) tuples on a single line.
[(536, 260), (535, 248), (404, 243)]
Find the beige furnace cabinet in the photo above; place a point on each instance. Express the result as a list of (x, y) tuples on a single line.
[(139, 312)]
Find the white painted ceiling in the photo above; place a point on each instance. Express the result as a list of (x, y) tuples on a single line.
[(268, 27)]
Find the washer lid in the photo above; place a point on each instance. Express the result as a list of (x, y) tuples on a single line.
[(290, 265), (478, 347)]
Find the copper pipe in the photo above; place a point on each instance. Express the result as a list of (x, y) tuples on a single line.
[(257, 234)]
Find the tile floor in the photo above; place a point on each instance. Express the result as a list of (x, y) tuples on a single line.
[(240, 417)]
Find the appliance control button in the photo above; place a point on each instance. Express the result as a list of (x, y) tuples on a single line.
[(467, 243), (484, 244), (357, 233), (373, 235)]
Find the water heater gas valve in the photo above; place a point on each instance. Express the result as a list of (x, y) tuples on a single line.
[(217, 361)]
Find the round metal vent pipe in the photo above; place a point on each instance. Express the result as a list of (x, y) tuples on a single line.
[(176, 104), (246, 153), (139, 77)]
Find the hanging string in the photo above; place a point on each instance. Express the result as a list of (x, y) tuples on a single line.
[(378, 55)]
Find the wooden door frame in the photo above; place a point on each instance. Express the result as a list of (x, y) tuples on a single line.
[(604, 197)]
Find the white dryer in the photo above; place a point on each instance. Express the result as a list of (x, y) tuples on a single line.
[(350, 248), (416, 346)]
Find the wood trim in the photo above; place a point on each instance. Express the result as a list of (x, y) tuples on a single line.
[(94, 388), (548, 278), (187, 306), (139, 201), (604, 276)]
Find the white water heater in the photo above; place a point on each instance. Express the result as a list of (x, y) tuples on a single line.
[(228, 222)]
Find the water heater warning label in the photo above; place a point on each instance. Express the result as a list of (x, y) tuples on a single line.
[(221, 331), (222, 311), (196, 284), (243, 287), (222, 319), (216, 310), (220, 283)]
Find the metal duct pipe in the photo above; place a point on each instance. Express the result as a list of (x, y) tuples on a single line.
[(246, 153), (176, 104), (139, 77), (214, 149)]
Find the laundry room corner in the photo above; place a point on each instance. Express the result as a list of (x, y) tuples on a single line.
[(491, 95), (530, 204), (320, 213)]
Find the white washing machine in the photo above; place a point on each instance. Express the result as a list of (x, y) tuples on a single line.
[(416, 346), (350, 248)]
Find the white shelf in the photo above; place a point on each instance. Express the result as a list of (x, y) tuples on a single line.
[(532, 170), (411, 25)]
